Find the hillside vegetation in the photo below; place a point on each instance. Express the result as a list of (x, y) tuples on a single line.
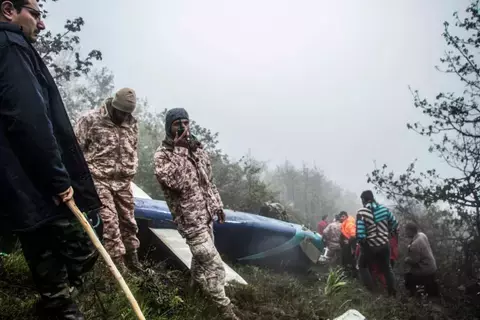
[(269, 296)]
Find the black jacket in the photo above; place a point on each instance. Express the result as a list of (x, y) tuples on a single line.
[(39, 153)]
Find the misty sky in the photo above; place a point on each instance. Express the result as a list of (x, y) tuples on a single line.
[(324, 82)]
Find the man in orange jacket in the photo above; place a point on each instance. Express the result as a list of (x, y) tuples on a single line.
[(348, 242)]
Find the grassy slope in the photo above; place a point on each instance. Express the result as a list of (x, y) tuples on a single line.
[(270, 296)]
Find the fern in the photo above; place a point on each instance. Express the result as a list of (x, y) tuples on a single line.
[(335, 282)]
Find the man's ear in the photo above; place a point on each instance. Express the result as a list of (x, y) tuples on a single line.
[(8, 10)]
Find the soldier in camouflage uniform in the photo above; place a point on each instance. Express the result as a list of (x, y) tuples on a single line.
[(331, 236), (184, 172), (108, 137)]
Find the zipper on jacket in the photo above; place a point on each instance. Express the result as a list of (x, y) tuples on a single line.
[(119, 154), (200, 179)]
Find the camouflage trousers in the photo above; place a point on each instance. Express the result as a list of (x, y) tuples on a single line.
[(119, 226), (58, 254), (334, 255), (207, 267)]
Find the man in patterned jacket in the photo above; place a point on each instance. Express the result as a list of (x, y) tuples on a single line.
[(331, 235), (108, 137), (184, 172), (375, 225)]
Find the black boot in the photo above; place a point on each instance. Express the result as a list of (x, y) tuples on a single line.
[(65, 310), (71, 313), (132, 262)]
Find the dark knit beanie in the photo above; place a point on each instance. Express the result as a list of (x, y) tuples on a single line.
[(174, 115)]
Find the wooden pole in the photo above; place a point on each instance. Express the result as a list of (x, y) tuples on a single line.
[(96, 242)]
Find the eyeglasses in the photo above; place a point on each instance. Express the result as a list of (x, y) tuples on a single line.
[(36, 14)]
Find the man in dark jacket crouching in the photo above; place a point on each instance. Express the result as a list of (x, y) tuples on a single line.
[(41, 165)]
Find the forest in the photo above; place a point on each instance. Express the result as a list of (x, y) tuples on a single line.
[(447, 208)]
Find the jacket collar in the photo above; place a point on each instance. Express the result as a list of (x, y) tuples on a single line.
[(7, 26), (371, 205), (167, 143)]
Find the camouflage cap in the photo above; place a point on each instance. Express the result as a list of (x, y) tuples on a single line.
[(125, 100)]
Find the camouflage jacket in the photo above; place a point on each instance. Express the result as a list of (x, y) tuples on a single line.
[(331, 235), (110, 150), (185, 177)]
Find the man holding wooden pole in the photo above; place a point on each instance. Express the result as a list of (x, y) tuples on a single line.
[(40, 165)]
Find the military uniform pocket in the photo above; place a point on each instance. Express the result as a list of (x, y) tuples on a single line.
[(204, 252)]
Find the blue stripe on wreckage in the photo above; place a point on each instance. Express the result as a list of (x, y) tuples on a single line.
[(299, 236)]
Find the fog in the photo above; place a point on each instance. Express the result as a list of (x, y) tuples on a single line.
[(325, 82)]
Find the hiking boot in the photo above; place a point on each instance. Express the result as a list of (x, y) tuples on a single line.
[(71, 312), (132, 262), (227, 312), (67, 310)]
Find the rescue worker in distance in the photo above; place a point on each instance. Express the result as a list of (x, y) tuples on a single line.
[(375, 225), (108, 137), (184, 172)]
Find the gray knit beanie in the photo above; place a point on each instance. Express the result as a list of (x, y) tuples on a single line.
[(174, 115), (125, 100)]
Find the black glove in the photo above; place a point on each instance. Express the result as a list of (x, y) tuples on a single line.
[(182, 140)]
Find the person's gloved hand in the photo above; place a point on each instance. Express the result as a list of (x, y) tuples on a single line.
[(221, 215), (182, 140), (64, 197)]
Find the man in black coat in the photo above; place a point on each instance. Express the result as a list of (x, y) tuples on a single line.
[(41, 165)]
